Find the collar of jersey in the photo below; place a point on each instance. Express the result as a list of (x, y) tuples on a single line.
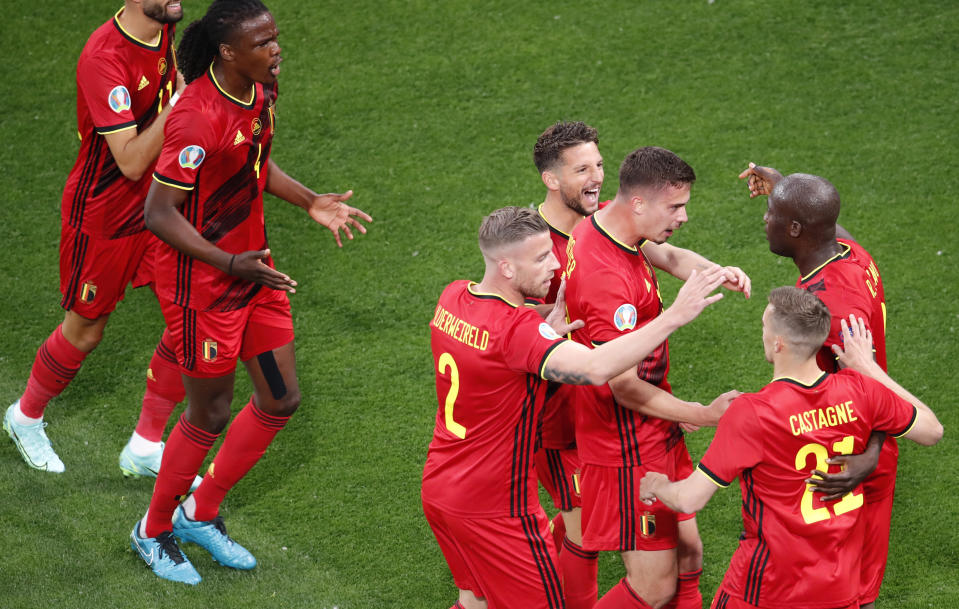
[(631, 249), (134, 39), (238, 102), (551, 227), (789, 379), (846, 249), (469, 288)]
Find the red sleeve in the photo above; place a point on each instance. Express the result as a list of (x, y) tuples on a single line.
[(737, 445), (188, 137), (843, 302), (530, 343), (610, 310), (891, 413), (105, 87)]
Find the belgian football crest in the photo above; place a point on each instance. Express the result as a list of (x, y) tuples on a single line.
[(256, 126), (191, 157), (161, 66), (88, 292), (119, 99), (209, 350), (647, 525)]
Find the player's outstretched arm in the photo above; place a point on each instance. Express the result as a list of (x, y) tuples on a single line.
[(329, 209), (856, 353), (680, 262), (578, 365), (761, 180), (686, 496), (163, 218), (636, 394)]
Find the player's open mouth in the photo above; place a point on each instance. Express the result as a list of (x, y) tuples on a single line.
[(275, 68), (591, 195)]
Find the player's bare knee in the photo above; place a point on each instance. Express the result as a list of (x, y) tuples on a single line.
[(689, 554), (657, 592), (286, 406)]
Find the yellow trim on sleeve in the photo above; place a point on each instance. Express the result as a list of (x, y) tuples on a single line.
[(173, 184)]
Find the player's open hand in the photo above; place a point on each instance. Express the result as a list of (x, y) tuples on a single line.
[(331, 211), (761, 180), (648, 485), (694, 296), (250, 266), (855, 469), (557, 316), (856, 352), (737, 280), (719, 406)]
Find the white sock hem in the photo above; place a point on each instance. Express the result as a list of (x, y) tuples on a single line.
[(142, 447)]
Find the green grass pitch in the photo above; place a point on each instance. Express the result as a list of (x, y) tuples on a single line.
[(429, 112)]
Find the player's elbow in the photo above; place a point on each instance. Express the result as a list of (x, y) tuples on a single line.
[(131, 171), (932, 435)]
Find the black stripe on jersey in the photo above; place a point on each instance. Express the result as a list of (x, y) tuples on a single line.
[(578, 551), (189, 338), (230, 98), (90, 168), (546, 354), (139, 43), (626, 428), (162, 179), (79, 254), (627, 515), (723, 600), (629, 250), (912, 422), (166, 353), (560, 481), (792, 381), (548, 574), (523, 436), (760, 557), (184, 263), (843, 255), (237, 295), (108, 129), (712, 476), (229, 206)]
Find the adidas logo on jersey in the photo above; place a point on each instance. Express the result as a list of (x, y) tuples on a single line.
[(144, 83), (239, 138)]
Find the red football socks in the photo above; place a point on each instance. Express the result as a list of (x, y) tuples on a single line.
[(56, 364), (688, 595), (250, 433), (164, 391), (185, 450), (622, 596), (579, 569)]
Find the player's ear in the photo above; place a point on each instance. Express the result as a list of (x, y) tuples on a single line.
[(795, 229), (506, 268), (550, 179), (226, 52)]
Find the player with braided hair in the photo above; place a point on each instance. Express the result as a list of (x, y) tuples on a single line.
[(221, 296)]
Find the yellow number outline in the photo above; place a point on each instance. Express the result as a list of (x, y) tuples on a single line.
[(849, 501), (446, 361)]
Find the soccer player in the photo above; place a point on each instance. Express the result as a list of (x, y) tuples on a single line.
[(798, 551), (221, 296), (571, 167), (126, 84), (629, 426), (801, 224), (492, 356)]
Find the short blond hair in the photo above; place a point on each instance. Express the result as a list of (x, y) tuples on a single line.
[(509, 225), (801, 317)]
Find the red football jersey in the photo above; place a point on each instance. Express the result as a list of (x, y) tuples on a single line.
[(122, 83), (216, 147), (612, 287), (489, 355), (849, 283), (558, 426), (797, 550)]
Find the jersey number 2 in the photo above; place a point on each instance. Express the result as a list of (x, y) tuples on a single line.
[(447, 361), (849, 502)]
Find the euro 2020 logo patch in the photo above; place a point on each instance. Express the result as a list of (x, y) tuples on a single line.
[(191, 157), (625, 317), (119, 99), (547, 331)]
